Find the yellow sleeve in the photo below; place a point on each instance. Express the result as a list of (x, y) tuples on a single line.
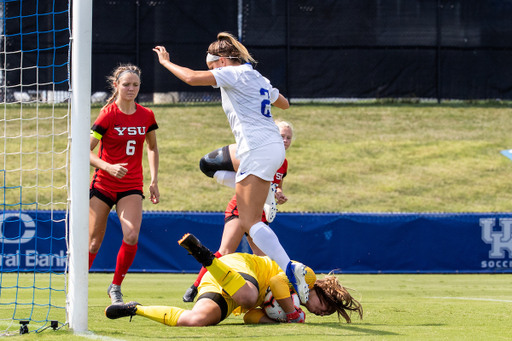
[(280, 286)]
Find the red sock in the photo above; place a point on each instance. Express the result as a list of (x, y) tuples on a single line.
[(204, 270), (124, 261), (92, 256), (200, 276)]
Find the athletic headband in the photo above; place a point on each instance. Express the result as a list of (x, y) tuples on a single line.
[(212, 58), (125, 72)]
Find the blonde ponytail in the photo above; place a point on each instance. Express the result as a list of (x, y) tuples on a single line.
[(228, 46)]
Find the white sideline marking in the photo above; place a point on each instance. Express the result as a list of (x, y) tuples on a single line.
[(472, 299), (92, 336)]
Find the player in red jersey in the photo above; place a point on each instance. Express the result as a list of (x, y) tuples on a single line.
[(233, 234), (121, 129)]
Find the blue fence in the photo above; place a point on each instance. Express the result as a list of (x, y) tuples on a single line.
[(344, 242)]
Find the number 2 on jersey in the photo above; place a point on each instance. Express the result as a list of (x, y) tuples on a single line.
[(265, 104)]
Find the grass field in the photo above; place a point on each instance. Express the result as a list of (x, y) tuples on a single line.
[(396, 307), (384, 157), (348, 157), (355, 157)]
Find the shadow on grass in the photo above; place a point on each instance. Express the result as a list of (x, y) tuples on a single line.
[(354, 328), (346, 330), (335, 325)]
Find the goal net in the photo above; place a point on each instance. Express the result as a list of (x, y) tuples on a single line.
[(35, 129)]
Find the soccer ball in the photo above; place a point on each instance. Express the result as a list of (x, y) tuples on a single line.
[(274, 310)]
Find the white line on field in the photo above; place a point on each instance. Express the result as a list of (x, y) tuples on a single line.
[(472, 299), (92, 336)]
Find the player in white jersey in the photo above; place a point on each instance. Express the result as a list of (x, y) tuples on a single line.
[(246, 99)]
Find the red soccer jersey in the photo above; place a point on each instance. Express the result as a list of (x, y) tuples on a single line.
[(121, 141), (232, 209)]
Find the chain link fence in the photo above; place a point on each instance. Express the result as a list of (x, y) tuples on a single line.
[(317, 49)]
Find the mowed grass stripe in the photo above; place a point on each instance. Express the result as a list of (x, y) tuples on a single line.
[(396, 307), (346, 157), (354, 158)]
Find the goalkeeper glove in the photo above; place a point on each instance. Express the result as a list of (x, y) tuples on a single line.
[(298, 316)]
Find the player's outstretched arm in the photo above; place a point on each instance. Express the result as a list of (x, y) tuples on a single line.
[(187, 75)]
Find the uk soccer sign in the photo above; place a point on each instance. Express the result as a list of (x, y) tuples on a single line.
[(499, 236)]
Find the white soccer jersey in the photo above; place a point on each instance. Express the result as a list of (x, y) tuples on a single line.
[(246, 98)]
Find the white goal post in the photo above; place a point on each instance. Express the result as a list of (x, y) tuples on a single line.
[(81, 45)]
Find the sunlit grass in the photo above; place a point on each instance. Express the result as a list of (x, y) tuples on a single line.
[(396, 307), (354, 157), (346, 157)]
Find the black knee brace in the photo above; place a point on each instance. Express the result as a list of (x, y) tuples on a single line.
[(217, 160)]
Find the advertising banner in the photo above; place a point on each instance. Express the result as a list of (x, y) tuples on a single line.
[(33, 240), (343, 242), (340, 242)]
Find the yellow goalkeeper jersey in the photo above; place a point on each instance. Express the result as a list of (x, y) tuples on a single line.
[(263, 269)]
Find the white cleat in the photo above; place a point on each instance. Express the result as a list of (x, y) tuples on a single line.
[(301, 286), (270, 206)]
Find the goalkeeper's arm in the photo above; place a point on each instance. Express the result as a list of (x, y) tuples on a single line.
[(280, 287), (257, 315)]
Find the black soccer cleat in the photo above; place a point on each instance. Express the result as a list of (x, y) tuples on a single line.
[(190, 294), (194, 247), (116, 311)]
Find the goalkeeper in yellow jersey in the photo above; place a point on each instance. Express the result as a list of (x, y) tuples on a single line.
[(239, 281)]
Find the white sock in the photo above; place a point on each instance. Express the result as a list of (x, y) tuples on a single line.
[(267, 241), (226, 178)]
